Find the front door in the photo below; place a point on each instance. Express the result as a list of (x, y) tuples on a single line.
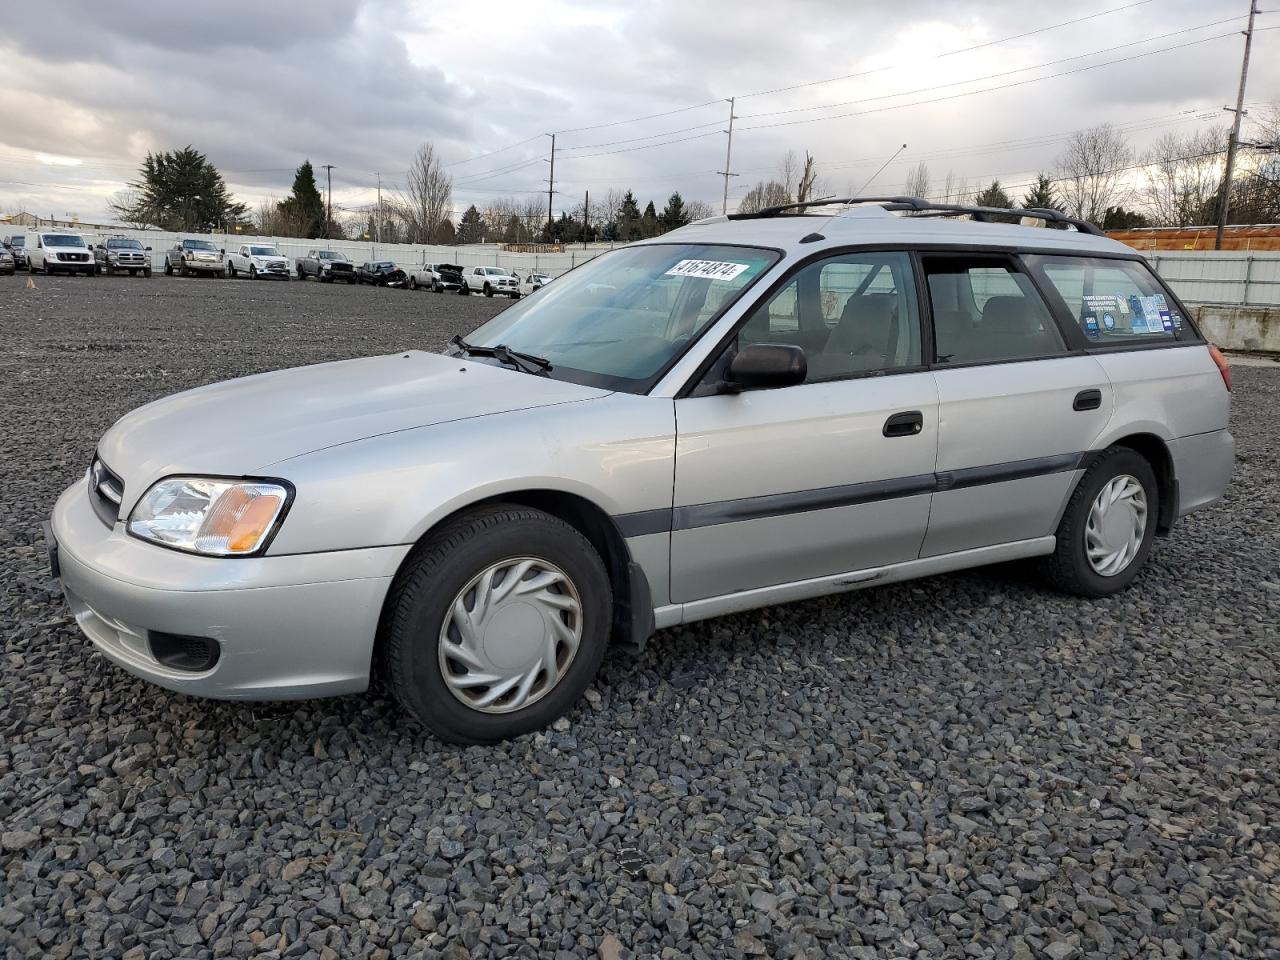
[(829, 476), (1018, 408)]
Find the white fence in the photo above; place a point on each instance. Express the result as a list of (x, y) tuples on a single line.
[(358, 251), (1234, 277)]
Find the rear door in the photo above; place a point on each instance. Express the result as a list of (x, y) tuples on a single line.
[(1019, 406), (826, 477)]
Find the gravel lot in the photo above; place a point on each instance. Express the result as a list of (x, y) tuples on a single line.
[(967, 766)]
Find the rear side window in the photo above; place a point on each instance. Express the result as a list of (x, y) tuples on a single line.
[(986, 311), (1114, 301)]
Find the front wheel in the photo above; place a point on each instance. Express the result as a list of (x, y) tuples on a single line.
[(1105, 534), (253, 272), (464, 291), (168, 267), (488, 290), (496, 625), (413, 283), (301, 275), (146, 272)]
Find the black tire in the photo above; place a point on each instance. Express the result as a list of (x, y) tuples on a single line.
[(413, 282), (464, 290), (515, 296), (425, 589), (231, 270), (146, 272), (488, 290), (1068, 568), (133, 273), (182, 268), (301, 275), (108, 269), (253, 272), (168, 267)]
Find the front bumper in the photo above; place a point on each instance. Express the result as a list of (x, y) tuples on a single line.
[(75, 266), (206, 266), (286, 627)]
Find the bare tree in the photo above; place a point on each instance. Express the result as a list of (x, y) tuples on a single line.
[(1091, 170), (918, 180), (789, 173), (955, 188), (126, 205), (1181, 177), (808, 187), (427, 196), (762, 195), (699, 210)]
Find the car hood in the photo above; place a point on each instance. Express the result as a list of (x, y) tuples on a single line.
[(269, 258), (242, 427)]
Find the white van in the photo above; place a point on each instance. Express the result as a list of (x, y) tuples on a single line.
[(59, 252)]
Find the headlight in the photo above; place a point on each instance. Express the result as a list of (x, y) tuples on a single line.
[(219, 518)]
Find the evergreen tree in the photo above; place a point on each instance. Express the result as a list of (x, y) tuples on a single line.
[(674, 215), (1042, 196), (649, 221), (471, 227), (995, 196), (628, 222), (1118, 218), (181, 191), (304, 206)]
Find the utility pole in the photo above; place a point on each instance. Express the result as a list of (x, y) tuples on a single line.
[(728, 153), (328, 210), (377, 227), (551, 187), (586, 216), (1224, 204)]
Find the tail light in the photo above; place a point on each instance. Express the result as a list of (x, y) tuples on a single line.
[(1221, 361)]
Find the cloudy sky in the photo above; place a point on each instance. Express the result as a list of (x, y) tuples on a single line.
[(635, 91)]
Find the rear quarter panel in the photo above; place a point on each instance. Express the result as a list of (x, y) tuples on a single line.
[(1170, 392)]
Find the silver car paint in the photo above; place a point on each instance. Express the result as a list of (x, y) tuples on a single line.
[(380, 450)]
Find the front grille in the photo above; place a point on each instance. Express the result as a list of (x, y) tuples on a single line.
[(276, 268), (129, 259), (73, 257), (106, 492), (340, 267)]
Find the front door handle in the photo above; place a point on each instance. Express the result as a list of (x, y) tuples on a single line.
[(1087, 400), (906, 424)]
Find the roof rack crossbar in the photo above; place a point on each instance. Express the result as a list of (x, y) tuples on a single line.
[(920, 205)]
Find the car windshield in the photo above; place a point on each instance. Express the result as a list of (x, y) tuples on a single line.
[(263, 252), (18, 242), (620, 319), (62, 240), (199, 245), (123, 245), (331, 255)]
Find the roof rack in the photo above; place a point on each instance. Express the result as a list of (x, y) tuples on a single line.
[(920, 205)]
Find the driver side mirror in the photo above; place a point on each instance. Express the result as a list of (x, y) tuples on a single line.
[(148, 249), (767, 366), (223, 250)]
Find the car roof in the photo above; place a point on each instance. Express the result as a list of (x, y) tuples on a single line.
[(874, 225)]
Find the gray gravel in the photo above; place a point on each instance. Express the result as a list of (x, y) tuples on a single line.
[(968, 766)]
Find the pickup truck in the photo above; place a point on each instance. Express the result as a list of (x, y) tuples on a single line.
[(326, 266), (436, 277), (17, 245), (194, 256), (122, 255), (257, 260), (491, 280)]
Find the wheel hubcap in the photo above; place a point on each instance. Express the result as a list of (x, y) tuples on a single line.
[(510, 635), (1116, 526)]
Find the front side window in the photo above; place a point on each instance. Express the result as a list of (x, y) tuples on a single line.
[(620, 319), (986, 310), (1114, 301), (851, 314)]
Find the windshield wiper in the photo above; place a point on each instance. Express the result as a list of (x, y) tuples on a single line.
[(501, 352)]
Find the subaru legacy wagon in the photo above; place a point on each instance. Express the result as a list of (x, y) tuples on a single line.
[(745, 411)]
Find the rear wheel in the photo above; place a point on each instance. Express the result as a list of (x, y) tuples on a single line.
[(1105, 534), (496, 625)]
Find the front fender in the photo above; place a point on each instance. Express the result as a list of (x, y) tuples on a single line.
[(617, 452)]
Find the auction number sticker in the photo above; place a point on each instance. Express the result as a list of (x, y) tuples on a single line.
[(707, 269)]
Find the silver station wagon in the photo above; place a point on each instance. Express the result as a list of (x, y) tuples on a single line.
[(745, 411)]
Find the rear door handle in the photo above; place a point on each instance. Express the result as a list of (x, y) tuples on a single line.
[(906, 424), (1087, 400)]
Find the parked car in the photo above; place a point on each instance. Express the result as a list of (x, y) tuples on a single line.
[(258, 260), (326, 266), (122, 254), (381, 273), (195, 256), (491, 280), (534, 281), (741, 412), (436, 277), (7, 264), (17, 245), (60, 253)]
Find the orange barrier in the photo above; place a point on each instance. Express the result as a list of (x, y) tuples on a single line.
[(1264, 237)]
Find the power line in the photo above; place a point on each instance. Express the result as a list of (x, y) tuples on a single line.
[(1003, 73), (949, 53)]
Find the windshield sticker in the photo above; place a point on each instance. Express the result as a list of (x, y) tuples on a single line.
[(707, 269)]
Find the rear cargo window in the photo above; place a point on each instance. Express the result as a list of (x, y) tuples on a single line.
[(1115, 301)]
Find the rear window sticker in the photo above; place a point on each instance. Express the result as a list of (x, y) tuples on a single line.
[(1108, 321), (707, 269)]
